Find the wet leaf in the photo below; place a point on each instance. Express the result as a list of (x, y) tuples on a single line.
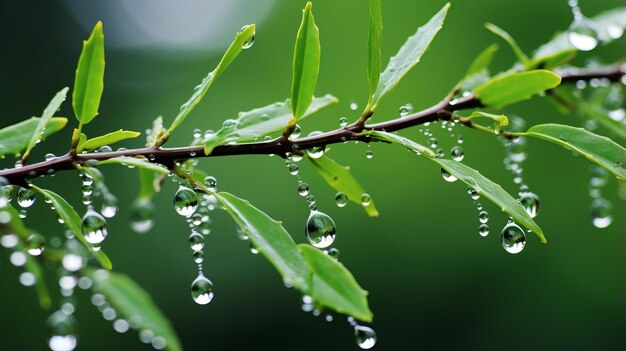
[(306, 64), (512, 87), (52, 107), (89, 82), (15, 138), (109, 138)]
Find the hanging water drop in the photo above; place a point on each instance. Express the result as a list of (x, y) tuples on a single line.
[(197, 133), (473, 194), (341, 200), (198, 256), (530, 201), (405, 110), (369, 154), (295, 134), (457, 153), (365, 337), (196, 241), (343, 121), (433, 142), (317, 151), (248, 43), (25, 197), (483, 217), (513, 238), (601, 213), (582, 35), (109, 206), (366, 199), (62, 331), (303, 189), (35, 244), (447, 176), (141, 216), (185, 201), (94, 227), (202, 290), (293, 169), (483, 229), (320, 230)]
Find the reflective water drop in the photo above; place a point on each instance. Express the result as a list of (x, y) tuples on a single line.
[(343, 121), (303, 189), (141, 216), (433, 142), (513, 238), (35, 244), (601, 213), (582, 35), (447, 176), (196, 241), (405, 110), (185, 201), (459, 139), (366, 199), (62, 332), (341, 199), (320, 229), (109, 206), (530, 201), (197, 133), (253, 249), (94, 227), (483, 217), (483, 229), (369, 154), (457, 153), (598, 176), (211, 183), (202, 290), (353, 106), (293, 169), (5, 192), (25, 197), (317, 151), (296, 132), (198, 256), (49, 156), (332, 252), (248, 43), (105, 148), (365, 337), (473, 193)]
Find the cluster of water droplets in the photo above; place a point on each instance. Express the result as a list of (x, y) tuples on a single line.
[(364, 336), (601, 208), (94, 226), (456, 151), (584, 34)]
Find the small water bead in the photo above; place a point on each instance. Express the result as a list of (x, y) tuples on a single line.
[(35, 244), (248, 43), (318, 151), (25, 197), (473, 193), (483, 216), (433, 142), (210, 182), (343, 121), (105, 148), (94, 227), (303, 189), (72, 262), (62, 331), (295, 134), (332, 252), (457, 153), (185, 201), (196, 241), (341, 200), (601, 213), (582, 35), (311, 199), (531, 202), (513, 238), (197, 133), (353, 106), (141, 216), (459, 139), (365, 337), (293, 169), (483, 229), (253, 249), (366, 199), (598, 176), (405, 110), (320, 230), (198, 256), (369, 154), (27, 279), (121, 326), (447, 176), (202, 290)]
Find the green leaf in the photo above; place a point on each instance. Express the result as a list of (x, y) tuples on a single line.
[(340, 179), (262, 121), (374, 60), (521, 56), (270, 239), (82, 139), (491, 191), (332, 285), (596, 148), (246, 35), (408, 55), (306, 64), (15, 138), (501, 120), (146, 184), (516, 86), (109, 138), (73, 222), (131, 301), (482, 61), (600, 115), (89, 82), (135, 162), (396, 139), (52, 107), (156, 131)]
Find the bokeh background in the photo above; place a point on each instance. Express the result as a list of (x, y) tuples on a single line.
[(433, 281)]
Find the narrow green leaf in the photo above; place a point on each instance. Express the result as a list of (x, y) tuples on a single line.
[(491, 191), (89, 82), (52, 107), (262, 121), (408, 55), (482, 61), (73, 222), (246, 35), (396, 139), (596, 148), (333, 286), (306, 64), (131, 301), (521, 56), (601, 116), (109, 138), (82, 139), (15, 138), (374, 60), (502, 120), (135, 162), (270, 239), (516, 86), (340, 179), (156, 131)]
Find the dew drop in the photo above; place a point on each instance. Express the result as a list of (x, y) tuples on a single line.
[(601, 213), (94, 227), (248, 43), (333, 252), (483, 217), (198, 256), (369, 154), (105, 148), (49, 156), (109, 206), (303, 189), (141, 216), (353, 106), (457, 153), (365, 337), (343, 121), (295, 134), (185, 201), (483, 229), (320, 229), (202, 290), (530, 201), (405, 110), (62, 331), (341, 200), (513, 238), (433, 142), (211, 183), (196, 241), (582, 35), (25, 197), (473, 193), (447, 176), (366, 199), (317, 151), (293, 169), (35, 244)]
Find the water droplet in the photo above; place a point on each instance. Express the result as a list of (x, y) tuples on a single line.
[(447, 176), (198, 256), (332, 252), (459, 139), (513, 238), (5, 192), (196, 241), (141, 216), (202, 290), (35, 244), (62, 331), (341, 200), (598, 176), (433, 142), (49, 156), (109, 206), (530, 201), (86, 179), (601, 213), (248, 43), (483, 217), (293, 169), (366, 199), (405, 110), (185, 201), (94, 227), (211, 183), (296, 132), (317, 151), (582, 35), (353, 106), (253, 249), (320, 230), (72, 262), (303, 189), (343, 121), (25, 197), (105, 148), (457, 153), (365, 337), (197, 133), (369, 154), (483, 229), (120, 326), (473, 193)]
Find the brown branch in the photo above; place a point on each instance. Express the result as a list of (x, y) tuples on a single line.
[(282, 146)]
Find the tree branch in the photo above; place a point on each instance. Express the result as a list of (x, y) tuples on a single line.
[(282, 146)]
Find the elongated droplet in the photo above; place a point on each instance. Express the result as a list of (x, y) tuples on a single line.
[(365, 337), (248, 43), (25, 197), (582, 35), (202, 290), (447, 176), (35, 244), (513, 238), (343, 121), (196, 241), (185, 201), (341, 200), (62, 331), (320, 230), (318, 151), (483, 229), (483, 217), (109, 206), (601, 213), (94, 227), (530, 201), (141, 216), (473, 193)]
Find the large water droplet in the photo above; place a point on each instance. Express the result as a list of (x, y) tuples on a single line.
[(185, 201), (582, 35), (457, 153), (295, 134), (196, 241), (530, 201), (202, 290), (601, 213), (94, 227), (62, 332), (318, 151), (25, 197), (35, 244), (365, 337), (320, 229), (447, 176), (141, 216), (248, 43), (483, 217), (303, 189), (366, 199), (341, 199), (5, 192), (483, 229), (405, 110), (513, 238)]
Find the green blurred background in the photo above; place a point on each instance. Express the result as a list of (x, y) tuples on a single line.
[(433, 281)]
